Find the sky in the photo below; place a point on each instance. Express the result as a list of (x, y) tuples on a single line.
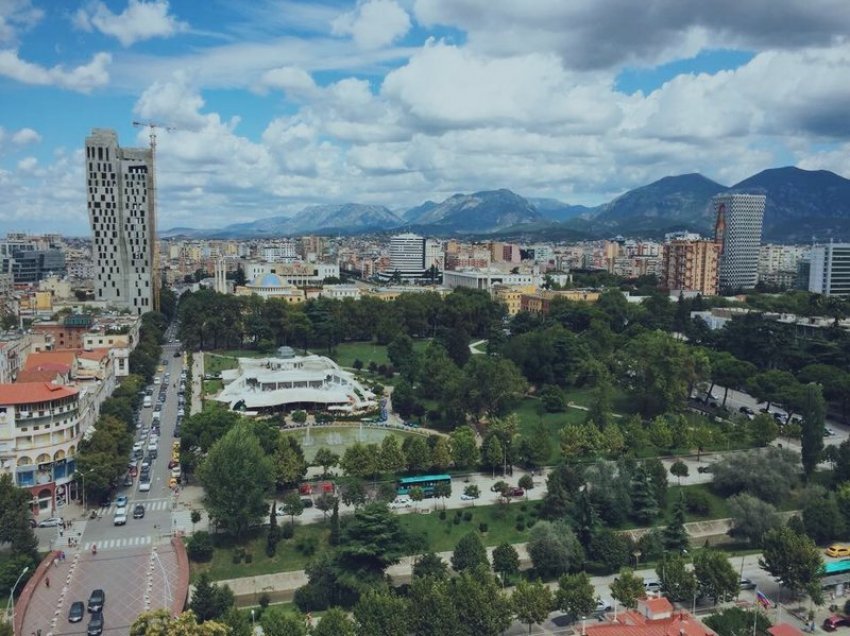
[(274, 105)]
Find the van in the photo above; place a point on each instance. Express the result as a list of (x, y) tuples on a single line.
[(156, 380)]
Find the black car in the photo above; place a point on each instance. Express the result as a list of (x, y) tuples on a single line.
[(138, 511), (96, 601), (77, 611), (95, 624), (746, 410)]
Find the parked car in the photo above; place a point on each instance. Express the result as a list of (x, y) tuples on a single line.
[(603, 605), (746, 410), (828, 432), (514, 492), (52, 522), (95, 627), (77, 611), (652, 585), (747, 584), (838, 550), (465, 497), (97, 599), (834, 622)]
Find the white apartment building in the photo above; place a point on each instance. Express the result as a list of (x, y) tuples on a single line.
[(283, 251), (738, 226), (119, 182), (434, 254), (39, 435), (299, 273), (339, 292), (779, 263), (407, 255), (485, 279), (830, 269)]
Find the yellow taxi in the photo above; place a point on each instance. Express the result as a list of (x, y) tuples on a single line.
[(838, 550)]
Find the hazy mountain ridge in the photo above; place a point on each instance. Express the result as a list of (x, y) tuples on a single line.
[(800, 204)]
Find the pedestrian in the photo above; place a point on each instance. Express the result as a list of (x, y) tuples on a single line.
[(70, 540), (47, 581), (55, 564)]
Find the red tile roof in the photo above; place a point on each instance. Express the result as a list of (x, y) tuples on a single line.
[(658, 605), (94, 354), (50, 357), (47, 373), (33, 392), (633, 624), (784, 629)]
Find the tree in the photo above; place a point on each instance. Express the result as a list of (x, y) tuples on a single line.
[(418, 454), (575, 595), (293, 506), (492, 453), (209, 601), (236, 476), (526, 482), (644, 503), (441, 454), (334, 536), (553, 548), (751, 518), (763, 429), (679, 469), (335, 622), (678, 583), (400, 352), (813, 412), (381, 613), (609, 549), (715, 575), (161, 623), (464, 448), (490, 384), (768, 474), (371, 541), (325, 502), (675, 534), (822, 518), (404, 400), (432, 611), (535, 447), (482, 605), (730, 372), (429, 564), (657, 474), (443, 490), (277, 622), (472, 490), (531, 602), (627, 588), (735, 620), (352, 491), (469, 553), (15, 524), (791, 557), (505, 561), (562, 486), (360, 461), (392, 458), (299, 416)]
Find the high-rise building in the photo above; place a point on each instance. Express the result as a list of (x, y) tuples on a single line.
[(407, 256), (737, 230), (689, 265), (829, 271), (123, 221)]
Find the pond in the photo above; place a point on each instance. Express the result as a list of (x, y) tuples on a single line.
[(338, 438)]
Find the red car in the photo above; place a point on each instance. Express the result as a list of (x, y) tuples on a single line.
[(834, 622), (515, 492)]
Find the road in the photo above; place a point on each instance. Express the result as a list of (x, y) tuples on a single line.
[(135, 564)]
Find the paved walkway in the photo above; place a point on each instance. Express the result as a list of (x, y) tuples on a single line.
[(197, 382)]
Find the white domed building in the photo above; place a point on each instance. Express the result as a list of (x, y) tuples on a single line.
[(271, 286), (300, 382)]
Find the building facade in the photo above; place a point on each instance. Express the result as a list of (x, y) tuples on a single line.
[(689, 265), (121, 212), (407, 256), (737, 230), (39, 436), (829, 272)]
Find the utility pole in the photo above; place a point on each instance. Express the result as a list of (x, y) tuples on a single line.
[(155, 273)]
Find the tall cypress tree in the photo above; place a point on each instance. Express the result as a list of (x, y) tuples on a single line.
[(334, 538), (675, 536), (644, 503)]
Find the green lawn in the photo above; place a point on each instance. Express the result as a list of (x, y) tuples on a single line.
[(211, 387), (215, 363), (366, 352), (287, 558), (719, 508), (527, 414)]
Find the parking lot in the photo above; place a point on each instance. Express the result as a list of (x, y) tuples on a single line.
[(133, 581)]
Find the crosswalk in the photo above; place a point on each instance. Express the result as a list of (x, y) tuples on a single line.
[(150, 505), (118, 544)]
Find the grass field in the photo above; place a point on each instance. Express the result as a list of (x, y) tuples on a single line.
[(527, 414), (215, 363), (347, 352), (211, 387)]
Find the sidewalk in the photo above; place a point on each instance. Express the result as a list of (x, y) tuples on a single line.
[(197, 382)]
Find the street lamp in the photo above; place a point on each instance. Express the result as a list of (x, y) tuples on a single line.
[(12, 596), (253, 624)]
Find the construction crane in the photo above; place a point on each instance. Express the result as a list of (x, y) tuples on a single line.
[(155, 278)]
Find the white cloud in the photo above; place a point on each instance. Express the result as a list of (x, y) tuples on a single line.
[(140, 20), (171, 102), (289, 79), (17, 15), (28, 164), (82, 78), (373, 24), (25, 136)]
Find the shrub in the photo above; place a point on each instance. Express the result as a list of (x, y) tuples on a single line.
[(520, 525), (287, 531), (697, 502), (467, 516), (483, 527), (249, 557), (264, 600), (236, 558), (520, 518), (458, 513), (307, 545), (456, 521), (200, 547), (442, 515)]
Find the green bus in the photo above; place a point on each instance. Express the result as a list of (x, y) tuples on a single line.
[(426, 482)]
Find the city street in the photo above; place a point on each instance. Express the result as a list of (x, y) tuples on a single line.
[(135, 563)]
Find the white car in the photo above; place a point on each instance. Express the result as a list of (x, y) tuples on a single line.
[(465, 497), (603, 605), (401, 502), (144, 486), (120, 517), (652, 586)]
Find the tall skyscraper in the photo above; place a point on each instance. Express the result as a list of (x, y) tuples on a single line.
[(123, 220), (407, 256), (829, 272), (690, 265), (738, 232)]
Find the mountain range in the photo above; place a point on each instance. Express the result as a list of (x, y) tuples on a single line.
[(800, 204)]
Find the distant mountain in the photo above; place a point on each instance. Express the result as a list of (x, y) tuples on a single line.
[(420, 210), (680, 202), (349, 215), (487, 211), (555, 210), (801, 203)]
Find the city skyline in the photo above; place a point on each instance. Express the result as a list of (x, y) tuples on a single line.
[(278, 105)]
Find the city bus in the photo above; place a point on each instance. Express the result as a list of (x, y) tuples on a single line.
[(835, 567), (425, 482)]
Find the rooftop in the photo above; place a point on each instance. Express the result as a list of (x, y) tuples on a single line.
[(633, 624), (33, 392), (64, 357)]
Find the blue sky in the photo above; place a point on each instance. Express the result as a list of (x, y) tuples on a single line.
[(279, 104)]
